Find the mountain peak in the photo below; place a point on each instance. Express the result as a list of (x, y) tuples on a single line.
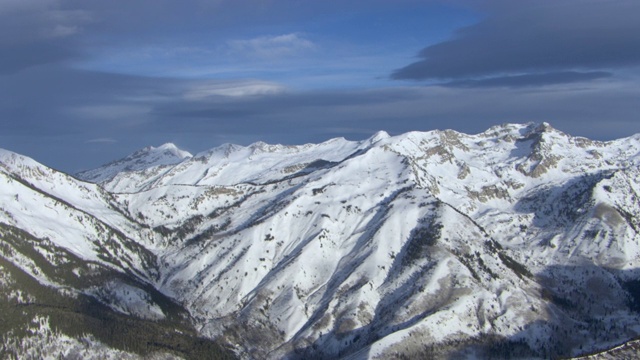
[(171, 148), (168, 146), (148, 157), (543, 127), (378, 136)]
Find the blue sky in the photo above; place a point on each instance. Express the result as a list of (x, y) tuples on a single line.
[(83, 82), (315, 47)]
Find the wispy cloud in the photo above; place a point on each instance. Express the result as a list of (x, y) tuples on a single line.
[(118, 114), (201, 91), (272, 46), (101, 141)]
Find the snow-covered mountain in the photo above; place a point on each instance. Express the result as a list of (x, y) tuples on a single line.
[(520, 241), (149, 157)]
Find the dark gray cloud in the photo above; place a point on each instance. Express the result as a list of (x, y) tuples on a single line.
[(535, 37), (74, 119), (531, 80), (15, 57), (38, 32), (55, 100), (319, 115)]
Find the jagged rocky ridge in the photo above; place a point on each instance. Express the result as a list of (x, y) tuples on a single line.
[(517, 242)]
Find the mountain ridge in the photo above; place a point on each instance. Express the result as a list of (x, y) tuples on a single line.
[(517, 241), (163, 155)]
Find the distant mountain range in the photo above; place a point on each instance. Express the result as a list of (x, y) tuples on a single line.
[(520, 241)]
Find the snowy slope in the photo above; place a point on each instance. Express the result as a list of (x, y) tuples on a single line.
[(69, 255), (518, 241), (50, 204)]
